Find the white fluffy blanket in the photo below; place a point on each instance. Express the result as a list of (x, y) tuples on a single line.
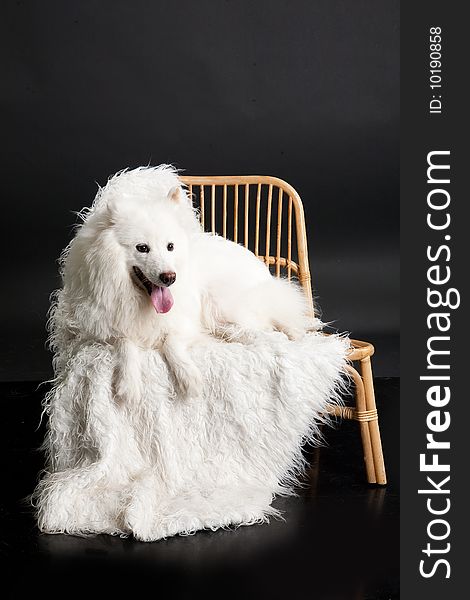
[(165, 465)]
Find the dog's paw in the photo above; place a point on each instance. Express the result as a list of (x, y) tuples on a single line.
[(128, 375), (293, 333), (190, 381), (127, 390)]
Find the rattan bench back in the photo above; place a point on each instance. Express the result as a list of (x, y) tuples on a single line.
[(263, 213)]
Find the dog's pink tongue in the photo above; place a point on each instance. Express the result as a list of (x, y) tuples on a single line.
[(161, 298)]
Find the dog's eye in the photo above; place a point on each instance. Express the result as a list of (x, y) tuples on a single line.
[(142, 248), (170, 247)]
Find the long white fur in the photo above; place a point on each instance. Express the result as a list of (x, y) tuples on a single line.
[(168, 423)]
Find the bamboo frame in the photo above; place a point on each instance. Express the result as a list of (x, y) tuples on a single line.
[(365, 409)]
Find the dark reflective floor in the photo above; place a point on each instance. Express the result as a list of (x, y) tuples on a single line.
[(339, 539)]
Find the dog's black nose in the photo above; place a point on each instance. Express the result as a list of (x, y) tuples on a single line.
[(168, 278)]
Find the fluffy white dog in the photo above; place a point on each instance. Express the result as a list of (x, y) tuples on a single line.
[(136, 331), (141, 273)]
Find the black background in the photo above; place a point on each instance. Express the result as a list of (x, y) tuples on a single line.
[(307, 91)]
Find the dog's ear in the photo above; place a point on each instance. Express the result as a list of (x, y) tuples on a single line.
[(112, 210), (176, 194)]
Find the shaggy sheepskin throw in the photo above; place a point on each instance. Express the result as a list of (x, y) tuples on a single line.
[(167, 465)]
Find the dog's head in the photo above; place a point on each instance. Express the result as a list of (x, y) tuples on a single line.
[(129, 257), (153, 242)]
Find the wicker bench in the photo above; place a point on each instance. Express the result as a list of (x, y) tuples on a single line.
[(266, 215)]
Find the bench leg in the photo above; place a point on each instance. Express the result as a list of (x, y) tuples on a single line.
[(361, 408), (373, 423)]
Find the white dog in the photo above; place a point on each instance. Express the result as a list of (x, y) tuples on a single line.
[(135, 331), (140, 272)]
